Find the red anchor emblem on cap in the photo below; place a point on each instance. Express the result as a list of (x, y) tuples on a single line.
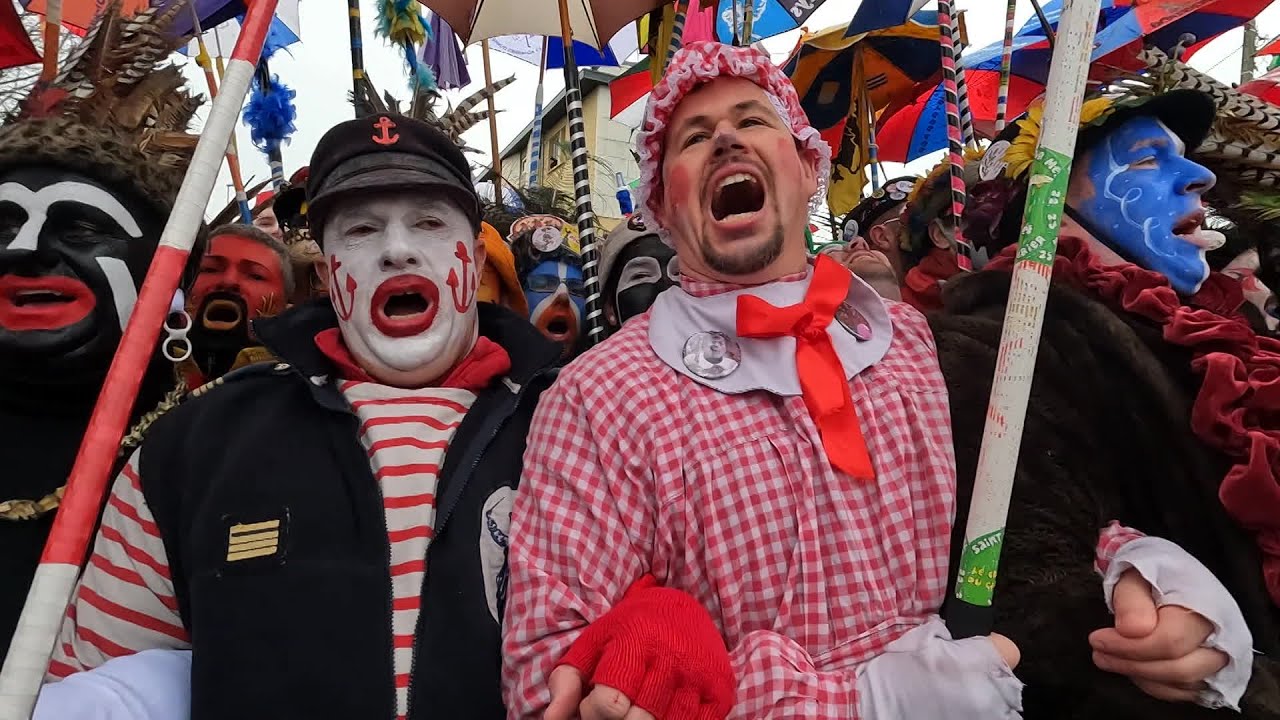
[(464, 295), (384, 124)]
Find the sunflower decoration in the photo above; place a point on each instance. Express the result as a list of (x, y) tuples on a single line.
[(1021, 150)]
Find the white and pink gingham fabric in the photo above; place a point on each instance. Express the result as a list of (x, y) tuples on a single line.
[(699, 63), (808, 573)]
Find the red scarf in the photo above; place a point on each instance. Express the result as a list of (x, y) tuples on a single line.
[(1237, 410), (922, 286), (486, 361)]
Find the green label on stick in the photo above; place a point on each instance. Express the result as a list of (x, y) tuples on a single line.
[(1046, 193), (976, 581)]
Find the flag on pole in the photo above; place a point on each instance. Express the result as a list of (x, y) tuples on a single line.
[(15, 44)]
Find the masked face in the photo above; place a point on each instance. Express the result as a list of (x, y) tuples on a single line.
[(1245, 269), (267, 223), (73, 254), (646, 267), (736, 186), (1137, 191), (557, 301), (403, 271), (239, 280)]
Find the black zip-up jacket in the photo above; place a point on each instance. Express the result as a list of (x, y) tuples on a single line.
[(304, 631)]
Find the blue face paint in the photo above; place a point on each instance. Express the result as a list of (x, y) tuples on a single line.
[(1144, 189), (557, 300)]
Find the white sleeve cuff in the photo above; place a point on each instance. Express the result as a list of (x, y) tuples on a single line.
[(150, 685), (1177, 578)]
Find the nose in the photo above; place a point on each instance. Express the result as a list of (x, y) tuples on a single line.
[(400, 254), (726, 140), (1197, 179)]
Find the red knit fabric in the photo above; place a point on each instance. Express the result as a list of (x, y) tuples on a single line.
[(922, 286), (486, 361), (1237, 410), (659, 648)]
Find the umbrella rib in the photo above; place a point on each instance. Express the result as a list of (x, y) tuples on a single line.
[(591, 19)]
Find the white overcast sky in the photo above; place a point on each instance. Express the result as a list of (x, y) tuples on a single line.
[(319, 69)]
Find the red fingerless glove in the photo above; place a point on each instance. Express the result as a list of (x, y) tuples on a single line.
[(661, 649)]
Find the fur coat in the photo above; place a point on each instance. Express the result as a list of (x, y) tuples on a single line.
[(1107, 437)]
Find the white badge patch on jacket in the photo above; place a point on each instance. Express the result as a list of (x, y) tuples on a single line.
[(494, 524)]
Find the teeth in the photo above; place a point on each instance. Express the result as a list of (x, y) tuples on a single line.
[(736, 178)]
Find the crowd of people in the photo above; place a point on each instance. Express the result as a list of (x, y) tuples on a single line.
[(374, 471)]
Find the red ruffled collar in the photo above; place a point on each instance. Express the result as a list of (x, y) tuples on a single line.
[(486, 361), (1237, 410)]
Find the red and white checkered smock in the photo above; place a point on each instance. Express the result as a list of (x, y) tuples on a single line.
[(634, 468)]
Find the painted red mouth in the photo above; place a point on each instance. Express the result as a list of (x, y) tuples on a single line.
[(50, 302), (558, 322), (405, 305)]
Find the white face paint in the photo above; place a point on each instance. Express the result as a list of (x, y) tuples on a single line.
[(403, 279)]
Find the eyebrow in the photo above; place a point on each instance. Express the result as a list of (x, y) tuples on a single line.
[(740, 109), (1176, 144)]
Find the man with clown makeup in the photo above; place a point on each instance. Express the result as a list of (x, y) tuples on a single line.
[(740, 503), (328, 534), (549, 266), (1138, 572)]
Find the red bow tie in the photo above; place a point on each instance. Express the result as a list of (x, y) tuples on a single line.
[(822, 380)]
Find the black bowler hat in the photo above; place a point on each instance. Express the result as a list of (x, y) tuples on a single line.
[(385, 153)]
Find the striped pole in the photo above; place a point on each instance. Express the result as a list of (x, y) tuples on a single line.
[(955, 143), (1006, 67), (582, 184), (677, 30), (357, 56), (535, 136), (969, 614), (962, 88), (867, 120), (74, 523)]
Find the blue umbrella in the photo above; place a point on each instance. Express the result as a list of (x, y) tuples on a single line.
[(769, 17)]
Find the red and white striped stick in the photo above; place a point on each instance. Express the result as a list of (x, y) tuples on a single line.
[(73, 526), (955, 141)]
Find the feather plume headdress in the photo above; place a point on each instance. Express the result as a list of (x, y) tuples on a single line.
[(113, 111)]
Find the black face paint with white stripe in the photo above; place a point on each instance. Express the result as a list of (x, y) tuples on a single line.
[(646, 267), (73, 253)]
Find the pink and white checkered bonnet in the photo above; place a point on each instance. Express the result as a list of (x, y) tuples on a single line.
[(699, 63)]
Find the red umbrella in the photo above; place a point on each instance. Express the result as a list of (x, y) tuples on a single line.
[(1266, 87), (15, 45)]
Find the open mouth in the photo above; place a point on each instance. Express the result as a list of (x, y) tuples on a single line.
[(1191, 230), (737, 197), (43, 303), (222, 315), (405, 305)]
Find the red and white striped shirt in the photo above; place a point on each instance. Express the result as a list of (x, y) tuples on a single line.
[(125, 600)]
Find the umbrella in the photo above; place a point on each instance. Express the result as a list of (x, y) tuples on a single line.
[(841, 79), (768, 17), (882, 14), (529, 49), (1266, 87), (907, 131), (286, 28), (15, 44), (594, 21)]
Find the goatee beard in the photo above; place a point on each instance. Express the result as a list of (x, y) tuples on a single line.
[(744, 263)]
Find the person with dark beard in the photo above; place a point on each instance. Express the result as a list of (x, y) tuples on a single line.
[(244, 275), (636, 266), (85, 189)]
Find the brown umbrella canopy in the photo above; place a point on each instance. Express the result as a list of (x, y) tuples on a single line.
[(593, 21)]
